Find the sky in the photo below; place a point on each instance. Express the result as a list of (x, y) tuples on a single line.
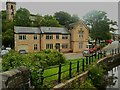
[(76, 7)]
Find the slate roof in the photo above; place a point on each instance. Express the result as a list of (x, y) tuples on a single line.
[(44, 30), (25, 30), (56, 30)]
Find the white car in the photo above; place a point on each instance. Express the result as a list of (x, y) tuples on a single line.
[(3, 52)]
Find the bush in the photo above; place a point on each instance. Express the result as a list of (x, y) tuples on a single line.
[(33, 61), (88, 85), (96, 75)]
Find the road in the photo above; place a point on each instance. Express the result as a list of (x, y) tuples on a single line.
[(108, 48), (113, 45), (70, 56)]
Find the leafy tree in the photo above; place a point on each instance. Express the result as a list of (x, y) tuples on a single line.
[(74, 18), (99, 24), (22, 17), (7, 38), (63, 17), (3, 13), (50, 21), (38, 20)]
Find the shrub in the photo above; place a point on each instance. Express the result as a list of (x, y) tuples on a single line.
[(33, 61), (96, 75)]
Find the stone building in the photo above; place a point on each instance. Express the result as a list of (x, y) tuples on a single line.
[(33, 39), (10, 10)]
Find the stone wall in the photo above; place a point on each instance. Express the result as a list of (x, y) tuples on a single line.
[(16, 79)]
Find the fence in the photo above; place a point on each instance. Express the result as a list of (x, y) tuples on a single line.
[(73, 68)]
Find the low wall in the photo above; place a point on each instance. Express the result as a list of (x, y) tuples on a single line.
[(109, 60), (16, 79)]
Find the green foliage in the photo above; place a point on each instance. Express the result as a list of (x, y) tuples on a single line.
[(88, 85), (96, 75), (50, 21), (65, 18), (34, 61), (7, 38), (22, 17), (100, 24)]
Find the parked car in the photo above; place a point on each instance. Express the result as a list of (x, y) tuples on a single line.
[(22, 52), (86, 52), (3, 52)]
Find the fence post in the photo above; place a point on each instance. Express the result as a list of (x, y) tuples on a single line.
[(59, 73), (78, 66), (92, 57), (86, 61), (118, 50), (95, 54), (101, 54), (98, 55), (104, 53), (83, 65), (41, 74), (112, 51), (89, 59), (70, 70), (115, 50)]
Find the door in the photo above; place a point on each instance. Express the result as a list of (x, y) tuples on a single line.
[(57, 46)]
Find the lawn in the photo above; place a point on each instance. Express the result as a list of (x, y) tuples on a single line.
[(52, 80)]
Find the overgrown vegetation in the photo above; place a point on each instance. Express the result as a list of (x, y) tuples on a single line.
[(33, 61)]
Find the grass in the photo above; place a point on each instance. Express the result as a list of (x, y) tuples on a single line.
[(52, 80)]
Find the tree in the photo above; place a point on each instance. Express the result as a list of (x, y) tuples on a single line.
[(63, 17), (50, 21), (74, 18), (22, 17), (7, 38), (99, 25), (38, 20)]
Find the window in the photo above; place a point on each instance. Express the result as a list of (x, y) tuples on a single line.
[(57, 36), (35, 36), (64, 36), (65, 45), (81, 34), (11, 6), (35, 46), (22, 37), (49, 46), (49, 36), (80, 45)]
